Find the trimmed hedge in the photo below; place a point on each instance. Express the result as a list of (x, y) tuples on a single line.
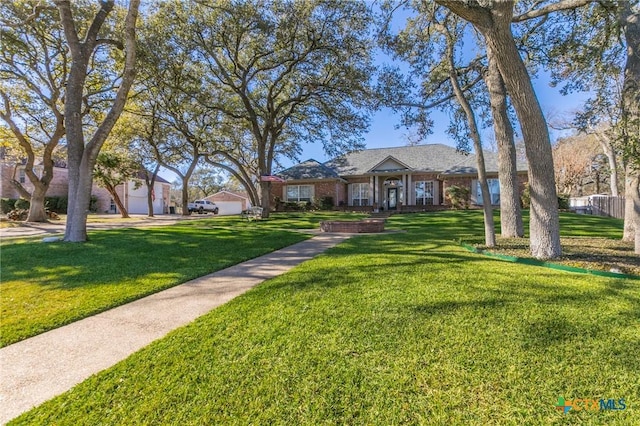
[(7, 204)]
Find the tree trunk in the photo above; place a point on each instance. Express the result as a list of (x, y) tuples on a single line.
[(607, 148), (76, 227), (185, 196), (510, 213), (116, 199), (265, 190), (81, 157), (630, 219), (37, 211), (489, 229), (636, 209), (544, 228), (150, 181), (630, 22), (495, 25), (150, 194)]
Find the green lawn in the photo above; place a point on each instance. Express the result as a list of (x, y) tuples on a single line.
[(44, 286), (402, 328)]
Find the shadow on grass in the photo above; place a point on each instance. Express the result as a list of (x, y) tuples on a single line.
[(111, 257)]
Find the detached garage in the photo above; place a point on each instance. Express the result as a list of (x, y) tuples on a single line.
[(229, 203)]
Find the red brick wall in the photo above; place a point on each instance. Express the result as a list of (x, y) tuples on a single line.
[(57, 188), (322, 188)]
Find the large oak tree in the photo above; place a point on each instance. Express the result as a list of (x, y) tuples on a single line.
[(84, 142), (287, 72), (493, 21), (34, 66)]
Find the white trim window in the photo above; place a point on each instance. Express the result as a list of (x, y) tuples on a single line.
[(494, 190), (299, 193), (360, 194), (424, 193), (22, 176)]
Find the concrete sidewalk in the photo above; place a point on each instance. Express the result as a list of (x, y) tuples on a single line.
[(39, 368), (111, 221)]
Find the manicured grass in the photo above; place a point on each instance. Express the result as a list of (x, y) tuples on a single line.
[(290, 220), (45, 286), (403, 328)]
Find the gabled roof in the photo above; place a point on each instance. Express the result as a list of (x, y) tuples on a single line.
[(389, 164), (435, 158), (244, 196), (310, 169), (141, 174)]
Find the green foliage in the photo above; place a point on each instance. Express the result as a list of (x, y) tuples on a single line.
[(400, 328), (7, 204), (525, 197), (56, 204), (326, 203), (114, 168), (93, 204), (563, 201), (22, 204), (459, 196)]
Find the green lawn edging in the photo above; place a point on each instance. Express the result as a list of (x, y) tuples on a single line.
[(550, 265)]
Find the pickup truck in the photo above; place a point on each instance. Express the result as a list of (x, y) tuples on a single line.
[(203, 206)]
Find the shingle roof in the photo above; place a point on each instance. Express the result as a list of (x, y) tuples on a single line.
[(310, 169), (141, 174), (436, 158)]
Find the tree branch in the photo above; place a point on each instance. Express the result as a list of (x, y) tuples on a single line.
[(554, 7)]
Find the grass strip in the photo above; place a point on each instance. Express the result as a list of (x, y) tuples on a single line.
[(550, 265)]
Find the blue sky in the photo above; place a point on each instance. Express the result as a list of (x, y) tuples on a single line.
[(383, 133)]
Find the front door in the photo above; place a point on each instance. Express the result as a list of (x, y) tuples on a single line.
[(392, 198)]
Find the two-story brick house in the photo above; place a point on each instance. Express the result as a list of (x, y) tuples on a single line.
[(133, 194)]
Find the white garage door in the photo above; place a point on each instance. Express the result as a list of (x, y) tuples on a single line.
[(229, 207)]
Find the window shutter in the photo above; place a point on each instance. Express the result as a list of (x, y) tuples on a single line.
[(350, 195)]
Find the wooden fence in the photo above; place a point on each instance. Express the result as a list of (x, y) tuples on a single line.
[(607, 206)]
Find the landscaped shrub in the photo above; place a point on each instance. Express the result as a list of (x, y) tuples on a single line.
[(525, 198), (22, 204), (7, 204), (292, 206), (326, 203), (563, 202), (56, 204), (459, 197), (93, 204)]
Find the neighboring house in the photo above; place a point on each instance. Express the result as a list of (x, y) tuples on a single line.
[(57, 188), (230, 202), (408, 178), (133, 194)]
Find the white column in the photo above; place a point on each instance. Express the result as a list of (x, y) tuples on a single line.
[(410, 200), (405, 196), (372, 190)]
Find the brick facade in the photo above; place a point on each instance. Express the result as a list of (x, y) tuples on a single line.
[(338, 190), (59, 187)]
